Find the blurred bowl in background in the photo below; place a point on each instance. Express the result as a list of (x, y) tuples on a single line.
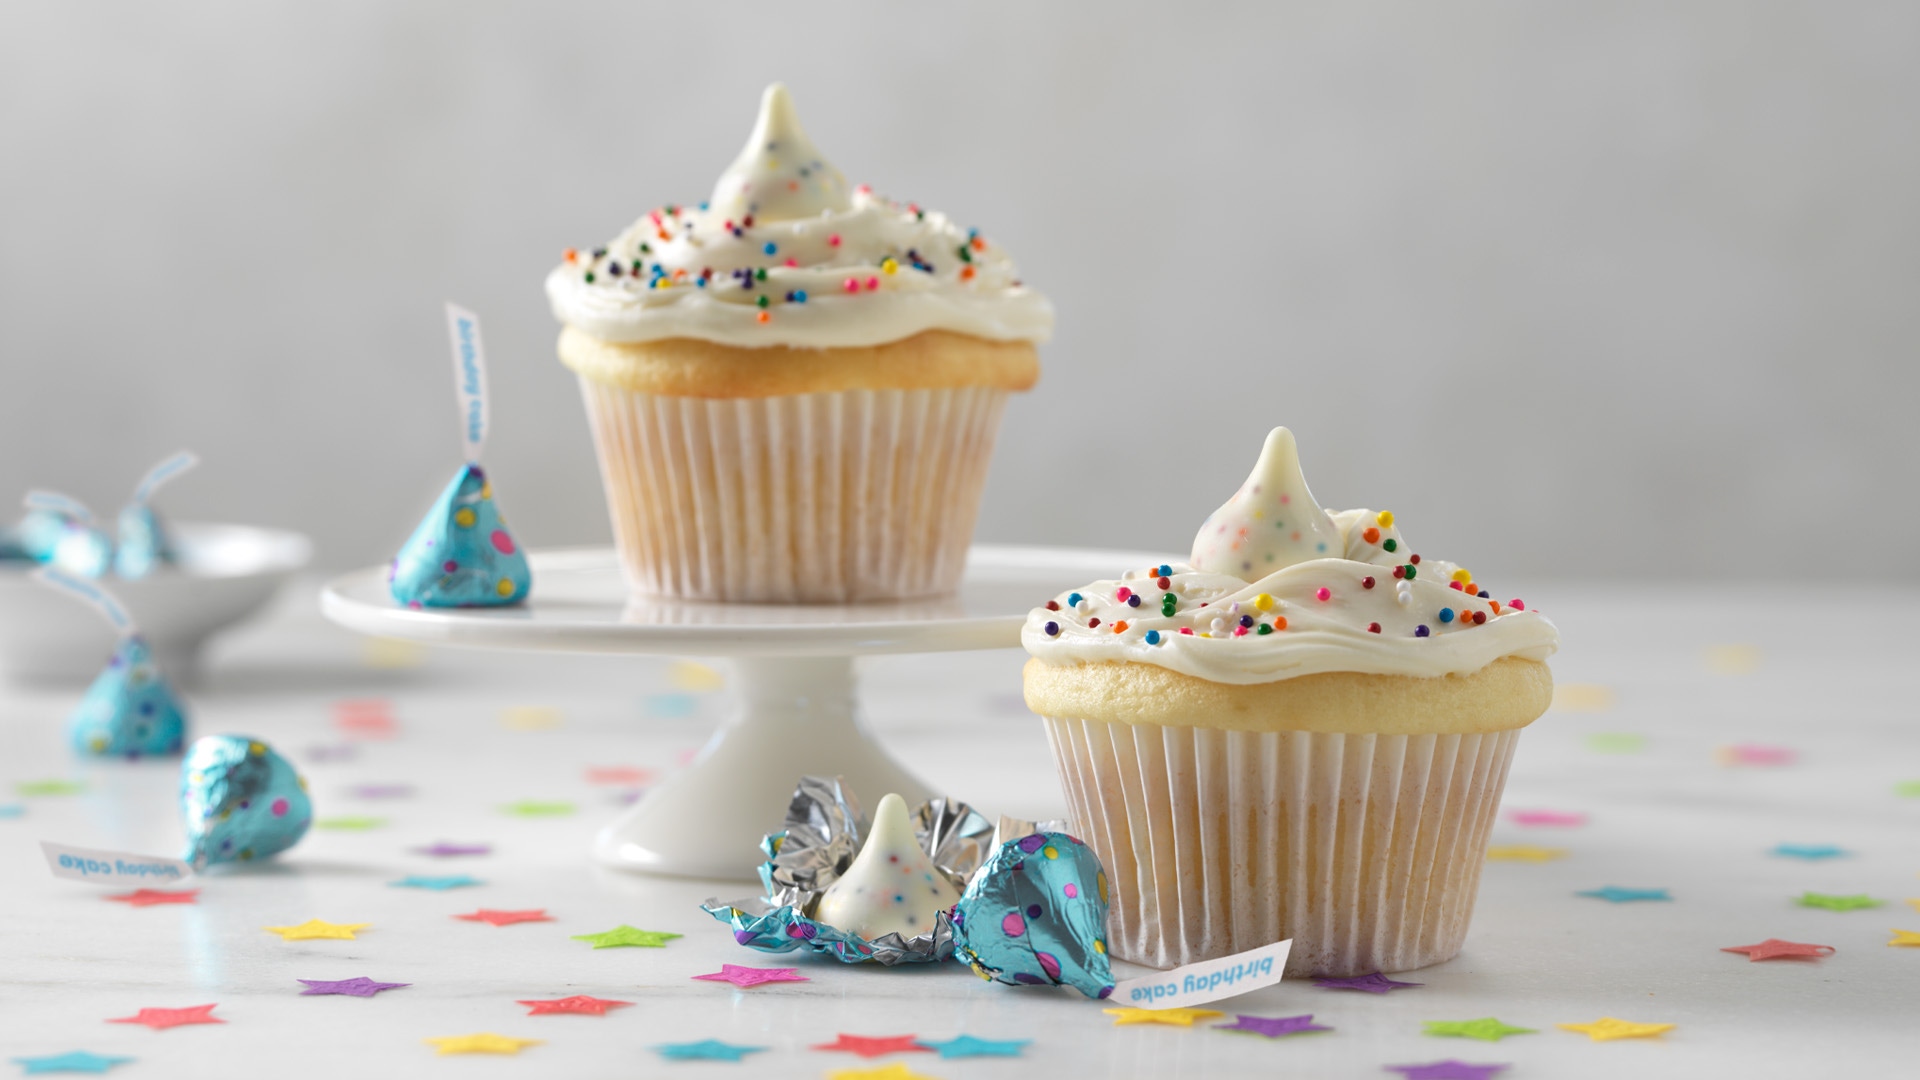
[(226, 573)]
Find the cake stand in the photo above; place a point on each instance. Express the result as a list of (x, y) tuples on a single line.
[(797, 708)]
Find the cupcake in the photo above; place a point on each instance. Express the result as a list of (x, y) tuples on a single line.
[(794, 386), (1303, 734)]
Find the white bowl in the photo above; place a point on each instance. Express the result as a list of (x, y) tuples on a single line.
[(226, 573)]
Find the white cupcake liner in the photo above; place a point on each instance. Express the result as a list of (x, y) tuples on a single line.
[(1364, 849), (827, 498)]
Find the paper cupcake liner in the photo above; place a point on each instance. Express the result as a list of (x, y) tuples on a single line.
[(1364, 849), (826, 498)]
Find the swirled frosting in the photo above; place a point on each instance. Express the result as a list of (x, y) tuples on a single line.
[(1277, 588), (784, 253)]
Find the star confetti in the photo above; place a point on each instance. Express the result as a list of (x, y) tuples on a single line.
[(1607, 1029), (1176, 1017), (1837, 903), (1905, 937), (1576, 697), (485, 1042), (1754, 754), (533, 808), (341, 752), (1447, 1070), (1546, 818), (318, 928), (161, 1019), (368, 718), (627, 935), (584, 1004), (1374, 983), (437, 884), (74, 1061), (1616, 742), (530, 718), (1906, 789), (12, 810), (42, 788), (1775, 949), (752, 976), (705, 1050), (1614, 894), (695, 678), (360, 986), (350, 824), (875, 1047), (1486, 1029), (150, 897), (507, 918), (1809, 852), (892, 1070), (1273, 1027), (446, 850), (966, 1046), (1525, 853), (619, 774)]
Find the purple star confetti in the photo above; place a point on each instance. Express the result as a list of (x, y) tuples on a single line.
[(446, 849), (1447, 1070), (1273, 1027), (1374, 983), (360, 986), (381, 791)]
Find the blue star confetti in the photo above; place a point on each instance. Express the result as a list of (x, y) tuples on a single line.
[(1616, 895), (437, 884), (965, 1046), (705, 1050)]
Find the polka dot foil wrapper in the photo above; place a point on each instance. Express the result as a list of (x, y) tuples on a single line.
[(825, 828), (462, 554), (240, 801), (1036, 915), (129, 711)]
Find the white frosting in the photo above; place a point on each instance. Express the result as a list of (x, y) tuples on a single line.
[(1258, 562), (891, 887), (846, 268)]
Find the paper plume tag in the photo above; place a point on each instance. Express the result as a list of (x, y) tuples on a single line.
[(55, 503), (88, 593), (162, 473), (111, 867), (469, 378), (1209, 980)]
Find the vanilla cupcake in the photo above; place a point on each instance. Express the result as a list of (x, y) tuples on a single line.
[(794, 387), (1303, 734)]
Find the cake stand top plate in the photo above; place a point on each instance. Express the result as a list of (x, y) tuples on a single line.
[(580, 603)]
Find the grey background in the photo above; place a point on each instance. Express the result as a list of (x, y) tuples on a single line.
[(1589, 289)]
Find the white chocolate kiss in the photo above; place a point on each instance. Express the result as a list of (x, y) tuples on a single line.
[(892, 887)]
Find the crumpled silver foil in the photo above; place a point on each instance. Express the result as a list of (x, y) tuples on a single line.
[(825, 828)]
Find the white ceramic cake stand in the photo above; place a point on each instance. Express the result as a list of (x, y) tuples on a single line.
[(797, 710)]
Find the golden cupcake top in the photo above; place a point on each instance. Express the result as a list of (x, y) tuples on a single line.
[(785, 252), (1276, 587)]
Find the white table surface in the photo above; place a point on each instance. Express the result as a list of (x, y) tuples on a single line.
[(1827, 674)]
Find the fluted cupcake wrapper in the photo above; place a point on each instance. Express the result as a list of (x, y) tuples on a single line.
[(1364, 849), (824, 498)]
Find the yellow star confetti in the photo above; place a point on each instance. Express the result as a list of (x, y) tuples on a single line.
[(1732, 659), (1915, 904), (485, 1042), (318, 928), (1177, 1017), (1905, 937), (1525, 853), (1582, 697), (529, 718), (695, 678), (1607, 1028), (392, 654), (893, 1070)]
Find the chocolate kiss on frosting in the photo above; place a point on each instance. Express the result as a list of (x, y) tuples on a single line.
[(1272, 522), (779, 175)]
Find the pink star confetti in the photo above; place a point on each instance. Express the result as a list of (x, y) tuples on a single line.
[(1775, 949), (160, 1019), (446, 849), (368, 719), (150, 897), (752, 976), (584, 1004), (619, 774), (507, 918), (1548, 818), (1756, 754)]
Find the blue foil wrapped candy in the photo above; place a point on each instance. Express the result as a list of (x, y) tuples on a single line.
[(1036, 914), (461, 555), (144, 542), (240, 801), (129, 711)]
